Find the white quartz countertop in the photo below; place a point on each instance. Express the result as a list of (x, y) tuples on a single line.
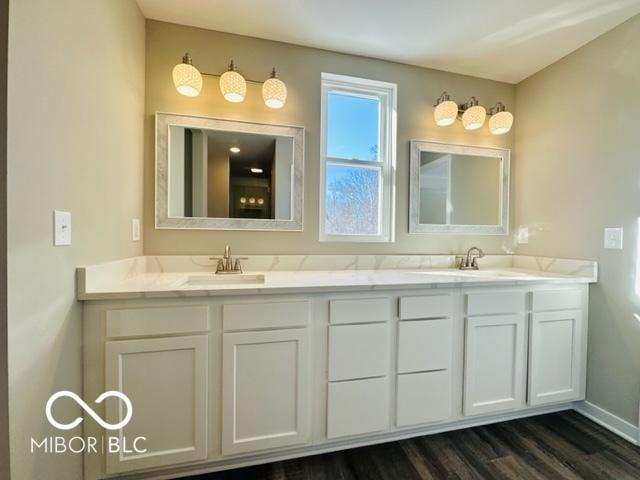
[(140, 283)]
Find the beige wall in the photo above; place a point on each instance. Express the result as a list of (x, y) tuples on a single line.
[(4, 388), (578, 171), (76, 89), (300, 68)]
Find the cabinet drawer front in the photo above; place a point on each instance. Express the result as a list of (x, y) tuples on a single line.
[(426, 306), (556, 300), (424, 398), (141, 322), (495, 303), (358, 407), (360, 310), (254, 316), (424, 345), (358, 351)]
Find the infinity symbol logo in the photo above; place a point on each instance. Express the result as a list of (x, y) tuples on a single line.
[(89, 410)]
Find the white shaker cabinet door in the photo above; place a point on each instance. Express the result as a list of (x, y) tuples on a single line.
[(166, 382), (265, 390), (555, 356), (494, 357)]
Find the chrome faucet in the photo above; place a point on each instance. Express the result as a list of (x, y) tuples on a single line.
[(470, 261), (227, 264)]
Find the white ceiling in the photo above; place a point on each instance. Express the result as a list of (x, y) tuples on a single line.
[(504, 40)]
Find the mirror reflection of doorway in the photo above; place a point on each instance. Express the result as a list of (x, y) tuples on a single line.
[(223, 174)]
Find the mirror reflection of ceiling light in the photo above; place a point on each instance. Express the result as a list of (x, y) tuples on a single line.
[(260, 201), (234, 150), (186, 78), (252, 200), (256, 170), (243, 200)]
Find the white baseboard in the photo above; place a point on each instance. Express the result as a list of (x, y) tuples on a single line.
[(608, 420)]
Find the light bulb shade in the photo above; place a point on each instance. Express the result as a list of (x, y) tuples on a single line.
[(274, 93), (187, 80), (445, 113), (233, 86), (474, 117), (501, 122)]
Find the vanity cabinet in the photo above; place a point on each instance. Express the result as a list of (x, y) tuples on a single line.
[(231, 380), (557, 356), (166, 382), (358, 366), (265, 376), (424, 380), (495, 349)]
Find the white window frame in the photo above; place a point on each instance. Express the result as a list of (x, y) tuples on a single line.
[(387, 94)]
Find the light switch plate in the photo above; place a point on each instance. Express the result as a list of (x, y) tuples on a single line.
[(61, 228), (613, 238), (135, 229), (523, 235)]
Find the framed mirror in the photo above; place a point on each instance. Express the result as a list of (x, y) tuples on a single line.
[(214, 174), (458, 189)]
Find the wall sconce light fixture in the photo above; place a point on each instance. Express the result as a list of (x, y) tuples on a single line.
[(446, 110), (233, 86), (472, 114), (501, 120), (274, 91), (186, 78)]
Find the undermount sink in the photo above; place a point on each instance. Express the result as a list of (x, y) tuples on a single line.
[(471, 273), (229, 279), (489, 273)]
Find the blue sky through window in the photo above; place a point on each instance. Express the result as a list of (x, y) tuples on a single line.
[(352, 127)]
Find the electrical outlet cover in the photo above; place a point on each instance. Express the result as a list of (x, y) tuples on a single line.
[(135, 229), (613, 238), (523, 235), (61, 228)]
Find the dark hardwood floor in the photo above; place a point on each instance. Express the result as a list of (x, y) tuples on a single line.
[(558, 445)]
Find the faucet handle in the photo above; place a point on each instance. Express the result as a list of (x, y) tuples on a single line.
[(237, 267), (219, 265)]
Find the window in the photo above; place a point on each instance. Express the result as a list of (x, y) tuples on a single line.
[(357, 156)]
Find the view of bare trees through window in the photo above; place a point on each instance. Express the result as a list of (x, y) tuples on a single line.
[(354, 166), (352, 200)]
